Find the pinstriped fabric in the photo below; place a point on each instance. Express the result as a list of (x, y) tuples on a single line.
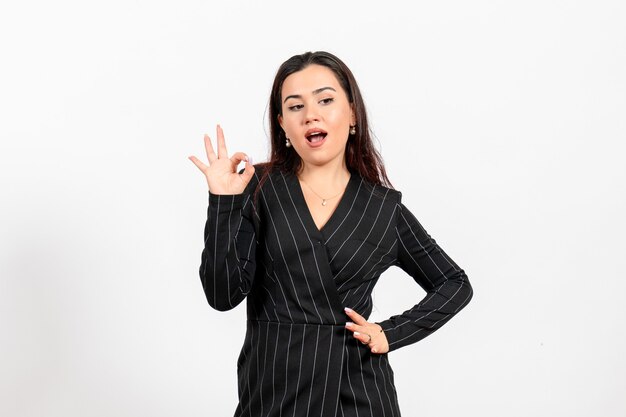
[(297, 358)]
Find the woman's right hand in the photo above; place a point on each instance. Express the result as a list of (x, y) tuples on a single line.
[(221, 172)]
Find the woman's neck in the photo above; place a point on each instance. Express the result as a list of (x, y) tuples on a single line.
[(327, 176)]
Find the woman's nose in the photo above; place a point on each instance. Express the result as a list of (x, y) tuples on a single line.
[(311, 115)]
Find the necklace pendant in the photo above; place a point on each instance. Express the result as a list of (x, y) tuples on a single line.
[(323, 202)]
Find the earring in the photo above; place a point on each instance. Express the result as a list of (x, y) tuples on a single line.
[(353, 130), (288, 143)]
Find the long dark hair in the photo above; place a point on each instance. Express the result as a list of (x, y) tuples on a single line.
[(361, 156)]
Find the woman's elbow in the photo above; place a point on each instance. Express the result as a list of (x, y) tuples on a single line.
[(218, 298), (223, 302), (466, 291), (219, 305), (225, 292)]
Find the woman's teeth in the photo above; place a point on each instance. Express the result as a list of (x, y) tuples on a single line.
[(316, 137)]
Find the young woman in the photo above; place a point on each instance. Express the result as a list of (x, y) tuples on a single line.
[(305, 237)]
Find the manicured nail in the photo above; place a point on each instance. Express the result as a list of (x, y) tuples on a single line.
[(356, 333), (348, 324), (250, 160), (348, 310)]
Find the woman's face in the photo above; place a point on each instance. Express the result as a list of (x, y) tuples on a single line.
[(316, 115)]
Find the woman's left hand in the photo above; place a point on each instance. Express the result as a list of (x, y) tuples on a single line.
[(370, 334)]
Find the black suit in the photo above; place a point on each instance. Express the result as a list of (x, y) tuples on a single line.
[(297, 358)]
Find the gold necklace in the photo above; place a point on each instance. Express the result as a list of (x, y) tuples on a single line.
[(324, 200)]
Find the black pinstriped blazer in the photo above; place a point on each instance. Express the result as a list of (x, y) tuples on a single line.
[(297, 358)]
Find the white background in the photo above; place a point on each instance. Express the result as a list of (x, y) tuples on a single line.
[(503, 124)]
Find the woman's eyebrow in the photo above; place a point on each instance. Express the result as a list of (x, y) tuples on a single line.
[(317, 91)]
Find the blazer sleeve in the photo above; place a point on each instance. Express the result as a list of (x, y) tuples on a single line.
[(447, 287), (229, 255)]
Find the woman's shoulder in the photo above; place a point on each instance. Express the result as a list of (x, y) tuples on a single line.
[(379, 191), (266, 177), (264, 172), (262, 168)]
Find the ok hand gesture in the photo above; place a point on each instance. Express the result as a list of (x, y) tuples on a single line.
[(221, 172)]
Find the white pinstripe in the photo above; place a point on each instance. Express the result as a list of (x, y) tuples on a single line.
[(380, 397), (355, 228), (386, 384), (363, 263), (330, 349), (295, 406), (356, 407), (369, 401), (293, 285), (319, 273), (356, 195), (286, 371), (317, 340), (282, 254), (274, 367), (299, 257)]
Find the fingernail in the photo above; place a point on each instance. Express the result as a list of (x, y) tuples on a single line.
[(356, 333), (348, 310), (250, 160), (374, 351), (349, 324)]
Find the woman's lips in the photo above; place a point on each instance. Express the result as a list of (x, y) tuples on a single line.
[(315, 137)]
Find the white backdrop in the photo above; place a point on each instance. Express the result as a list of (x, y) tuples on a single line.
[(503, 124)]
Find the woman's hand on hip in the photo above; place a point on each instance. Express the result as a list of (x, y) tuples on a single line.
[(370, 334), (221, 171)]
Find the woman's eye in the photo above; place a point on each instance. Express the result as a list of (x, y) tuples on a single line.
[(327, 100), (295, 107)]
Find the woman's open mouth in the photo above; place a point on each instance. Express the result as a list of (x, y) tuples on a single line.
[(315, 137)]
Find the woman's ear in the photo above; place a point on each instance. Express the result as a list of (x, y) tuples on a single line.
[(280, 121)]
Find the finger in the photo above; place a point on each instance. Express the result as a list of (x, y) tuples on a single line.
[(238, 157), (379, 348), (356, 317), (362, 337), (379, 345), (221, 143), (356, 328), (248, 171), (210, 153), (198, 163)]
